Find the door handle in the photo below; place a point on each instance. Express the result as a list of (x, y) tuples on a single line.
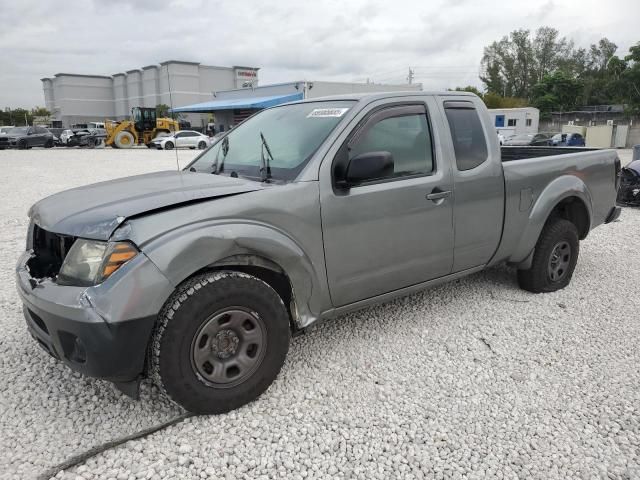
[(438, 194)]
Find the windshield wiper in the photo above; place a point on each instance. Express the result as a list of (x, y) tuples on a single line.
[(265, 167), (225, 149)]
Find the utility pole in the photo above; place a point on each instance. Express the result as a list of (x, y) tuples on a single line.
[(410, 76)]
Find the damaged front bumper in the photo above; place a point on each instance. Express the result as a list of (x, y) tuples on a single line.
[(101, 331)]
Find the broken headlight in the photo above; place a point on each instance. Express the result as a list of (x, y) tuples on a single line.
[(90, 262)]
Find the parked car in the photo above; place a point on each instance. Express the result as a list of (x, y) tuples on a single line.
[(65, 135), (567, 140), (629, 191), (3, 136), (181, 139), (305, 211), (27, 137), (531, 139), (89, 137)]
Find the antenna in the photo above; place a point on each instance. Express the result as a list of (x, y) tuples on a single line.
[(175, 147)]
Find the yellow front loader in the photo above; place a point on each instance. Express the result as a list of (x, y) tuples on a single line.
[(141, 129)]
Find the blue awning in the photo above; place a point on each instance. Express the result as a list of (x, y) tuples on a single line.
[(240, 103)]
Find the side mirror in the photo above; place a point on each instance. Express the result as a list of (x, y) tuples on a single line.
[(368, 166)]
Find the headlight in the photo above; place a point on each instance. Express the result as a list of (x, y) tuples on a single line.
[(90, 262)]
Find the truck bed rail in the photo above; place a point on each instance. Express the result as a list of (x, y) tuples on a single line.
[(521, 153)]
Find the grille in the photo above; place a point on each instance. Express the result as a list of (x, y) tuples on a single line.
[(49, 251)]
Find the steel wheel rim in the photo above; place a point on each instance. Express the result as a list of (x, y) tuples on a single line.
[(228, 347), (559, 261)]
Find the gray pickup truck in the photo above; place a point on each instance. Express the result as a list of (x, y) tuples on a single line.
[(199, 278)]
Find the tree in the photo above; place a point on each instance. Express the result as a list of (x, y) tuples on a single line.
[(547, 70), (558, 91), (162, 110), (493, 100), (468, 88), (630, 79), (514, 64), (40, 112)]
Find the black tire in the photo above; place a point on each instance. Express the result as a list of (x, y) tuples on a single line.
[(202, 145), (49, 143), (179, 358), (554, 259), (22, 145), (168, 145)]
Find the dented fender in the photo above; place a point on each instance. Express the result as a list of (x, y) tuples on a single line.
[(187, 250)]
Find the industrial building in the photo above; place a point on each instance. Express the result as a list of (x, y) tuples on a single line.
[(230, 107), (75, 98), (202, 94), (515, 121)]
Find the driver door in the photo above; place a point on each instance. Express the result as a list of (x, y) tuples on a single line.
[(31, 137), (180, 139), (395, 232)]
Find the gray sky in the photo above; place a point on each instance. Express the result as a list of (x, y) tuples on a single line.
[(289, 40)]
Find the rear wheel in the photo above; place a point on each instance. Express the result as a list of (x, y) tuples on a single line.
[(124, 139), (168, 146), (220, 341), (554, 258)]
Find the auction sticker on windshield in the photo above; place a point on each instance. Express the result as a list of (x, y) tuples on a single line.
[(327, 112)]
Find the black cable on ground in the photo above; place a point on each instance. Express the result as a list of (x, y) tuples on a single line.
[(83, 457)]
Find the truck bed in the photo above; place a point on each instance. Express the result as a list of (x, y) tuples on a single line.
[(521, 153), (578, 171)]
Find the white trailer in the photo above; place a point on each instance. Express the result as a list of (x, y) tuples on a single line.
[(515, 121)]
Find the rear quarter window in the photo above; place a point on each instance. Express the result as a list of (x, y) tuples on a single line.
[(469, 143)]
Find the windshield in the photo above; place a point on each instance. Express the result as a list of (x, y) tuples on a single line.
[(19, 130), (286, 137)]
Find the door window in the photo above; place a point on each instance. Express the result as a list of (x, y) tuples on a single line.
[(469, 143), (405, 135)]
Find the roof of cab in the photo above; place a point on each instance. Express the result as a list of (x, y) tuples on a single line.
[(380, 95)]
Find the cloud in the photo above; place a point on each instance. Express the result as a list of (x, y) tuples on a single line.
[(290, 40)]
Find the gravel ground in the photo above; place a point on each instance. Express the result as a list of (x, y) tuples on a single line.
[(472, 379)]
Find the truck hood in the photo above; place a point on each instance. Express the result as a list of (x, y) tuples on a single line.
[(95, 211)]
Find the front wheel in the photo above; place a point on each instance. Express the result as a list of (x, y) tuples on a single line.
[(554, 258), (124, 139), (221, 340), (202, 145), (168, 146), (49, 143)]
